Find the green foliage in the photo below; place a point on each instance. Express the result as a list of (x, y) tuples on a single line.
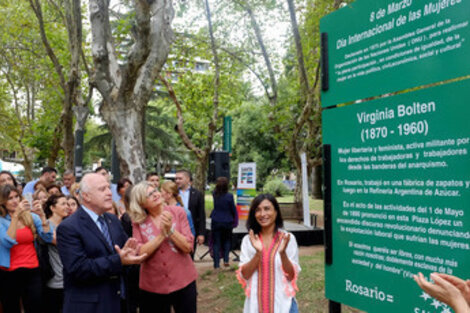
[(254, 141), (276, 187)]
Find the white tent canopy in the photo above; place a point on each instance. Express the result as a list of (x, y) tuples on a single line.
[(13, 168)]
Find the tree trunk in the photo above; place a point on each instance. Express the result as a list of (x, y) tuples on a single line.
[(68, 133), (126, 87), (200, 175), (125, 125), (27, 161), (28, 170), (298, 185)]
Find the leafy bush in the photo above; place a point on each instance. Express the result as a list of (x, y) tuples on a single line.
[(276, 187)]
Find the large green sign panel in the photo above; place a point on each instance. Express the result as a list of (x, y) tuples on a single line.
[(381, 46), (400, 172)]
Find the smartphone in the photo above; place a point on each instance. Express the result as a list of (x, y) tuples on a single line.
[(29, 196)]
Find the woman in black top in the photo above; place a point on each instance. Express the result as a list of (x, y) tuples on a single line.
[(224, 219)]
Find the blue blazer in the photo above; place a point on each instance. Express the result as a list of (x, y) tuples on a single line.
[(224, 208), (92, 269)]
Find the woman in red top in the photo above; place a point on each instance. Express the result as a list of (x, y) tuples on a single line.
[(168, 275), (20, 277)]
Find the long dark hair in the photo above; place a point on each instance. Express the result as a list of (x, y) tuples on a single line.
[(15, 183), (252, 223), (122, 182), (51, 201), (221, 186)]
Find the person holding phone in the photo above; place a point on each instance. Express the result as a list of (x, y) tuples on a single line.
[(20, 277)]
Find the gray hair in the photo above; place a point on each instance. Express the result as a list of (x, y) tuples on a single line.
[(84, 187), (68, 172)]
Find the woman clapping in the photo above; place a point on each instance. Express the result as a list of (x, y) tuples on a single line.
[(168, 275)]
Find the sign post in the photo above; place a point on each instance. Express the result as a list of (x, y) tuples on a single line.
[(396, 168), (246, 188), (388, 46), (401, 188)]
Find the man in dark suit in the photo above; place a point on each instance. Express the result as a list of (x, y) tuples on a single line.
[(93, 248), (193, 201)]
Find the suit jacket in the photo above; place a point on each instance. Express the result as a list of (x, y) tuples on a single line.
[(196, 206), (92, 269)]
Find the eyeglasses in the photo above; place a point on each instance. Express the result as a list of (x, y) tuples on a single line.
[(152, 192)]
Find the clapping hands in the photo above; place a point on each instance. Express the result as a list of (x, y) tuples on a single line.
[(255, 241), (448, 289), (129, 253)]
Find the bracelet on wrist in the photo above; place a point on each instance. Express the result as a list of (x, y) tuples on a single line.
[(171, 231)]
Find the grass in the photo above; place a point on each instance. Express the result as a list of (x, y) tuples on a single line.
[(227, 294)]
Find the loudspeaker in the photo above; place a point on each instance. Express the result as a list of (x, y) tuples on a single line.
[(219, 165)]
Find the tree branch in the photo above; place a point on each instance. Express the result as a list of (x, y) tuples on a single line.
[(304, 84), (180, 128), (162, 36), (36, 6), (215, 101), (267, 60)]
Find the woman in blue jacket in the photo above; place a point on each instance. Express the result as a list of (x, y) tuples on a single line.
[(20, 277), (224, 219)]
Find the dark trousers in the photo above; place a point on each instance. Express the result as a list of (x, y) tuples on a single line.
[(222, 240), (21, 284), (182, 301), (54, 300)]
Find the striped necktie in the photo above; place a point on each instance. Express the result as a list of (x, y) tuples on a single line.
[(105, 230)]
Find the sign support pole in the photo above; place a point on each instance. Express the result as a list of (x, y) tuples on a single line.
[(305, 199), (334, 307)]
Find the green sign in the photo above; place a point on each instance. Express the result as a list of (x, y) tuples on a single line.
[(400, 173), (381, 46), (228, 134)]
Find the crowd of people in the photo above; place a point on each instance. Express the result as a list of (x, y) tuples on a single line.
[(101, 247), (66, 248)]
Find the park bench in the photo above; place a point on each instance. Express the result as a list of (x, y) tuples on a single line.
[(293, 211)]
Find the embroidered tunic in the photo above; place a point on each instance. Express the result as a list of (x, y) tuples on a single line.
[(268, 290), (167, 269)]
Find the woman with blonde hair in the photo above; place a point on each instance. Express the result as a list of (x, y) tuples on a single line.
[(20, 277), (171, 195), (168, 275)]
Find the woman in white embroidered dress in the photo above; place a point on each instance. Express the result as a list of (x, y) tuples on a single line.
[(269, 260)]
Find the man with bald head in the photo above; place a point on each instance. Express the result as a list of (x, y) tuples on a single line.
[(94, 248)]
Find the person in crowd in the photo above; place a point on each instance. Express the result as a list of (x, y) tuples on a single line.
[(39, 185), (74, 190), (122, 185), (451, 290), (103, 171), (56, 209), (269, 260), (41, 195), (7, 178), (73, 204), (223, 220), (193, 201), (20, 277), (153, 178), (93, 248), (132, 275), (168, 275), (48, 176), (69, 179), (171, 196), (53, 189), (20, 187)]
